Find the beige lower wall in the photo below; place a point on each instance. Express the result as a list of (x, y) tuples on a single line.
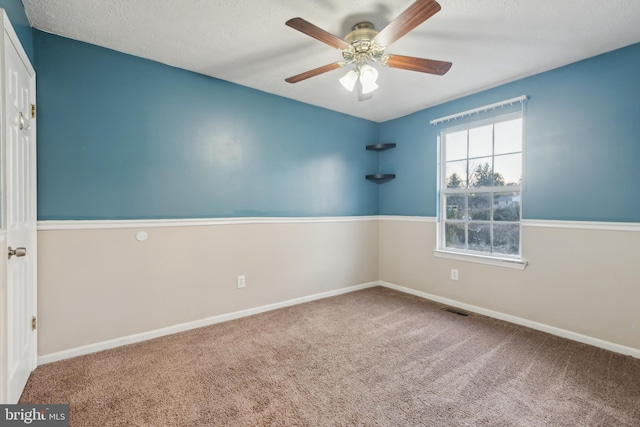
[(584, 281), (103, 284)]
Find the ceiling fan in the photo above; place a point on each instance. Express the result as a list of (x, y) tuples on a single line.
[(364, 46)]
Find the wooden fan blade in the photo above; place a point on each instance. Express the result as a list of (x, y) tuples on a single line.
[(317, 33), (415, 15), (430, 66), (316, 71)]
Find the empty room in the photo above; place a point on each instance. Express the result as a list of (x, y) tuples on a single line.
[(320, 213)]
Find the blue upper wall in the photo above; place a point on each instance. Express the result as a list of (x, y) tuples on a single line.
[(120, 137), (582, 136), (20, 23)]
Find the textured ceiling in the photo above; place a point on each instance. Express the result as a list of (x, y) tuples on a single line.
[(489, 42)]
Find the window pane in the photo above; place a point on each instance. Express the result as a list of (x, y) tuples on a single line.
[(508, 169), (506, 239), (480, 207), (506, 206), (455, 206), (456, 174), (479, 237), (481, 180), (456, 145), (454, 235), (508, 137), (481, 172), (481, 141)]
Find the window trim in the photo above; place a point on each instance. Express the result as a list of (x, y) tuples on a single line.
[(441, 251), (514, 263)]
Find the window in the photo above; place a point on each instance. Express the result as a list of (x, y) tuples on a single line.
[(481, 188)]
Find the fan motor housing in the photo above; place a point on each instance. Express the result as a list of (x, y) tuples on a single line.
[(360, 32), (363, 47)]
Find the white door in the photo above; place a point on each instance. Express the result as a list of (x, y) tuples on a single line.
[(20, 215)]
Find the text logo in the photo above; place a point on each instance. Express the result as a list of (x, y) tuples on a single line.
[(34, 415)]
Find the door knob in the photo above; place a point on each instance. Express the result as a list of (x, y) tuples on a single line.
[(17, 252)]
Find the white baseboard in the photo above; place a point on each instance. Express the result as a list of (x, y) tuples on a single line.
[(585, 339), (131, 339)]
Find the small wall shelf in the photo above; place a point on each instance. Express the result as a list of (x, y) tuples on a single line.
[(380, 147), (380, 178)]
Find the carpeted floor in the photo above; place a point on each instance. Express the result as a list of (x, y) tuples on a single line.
[(375, 357)]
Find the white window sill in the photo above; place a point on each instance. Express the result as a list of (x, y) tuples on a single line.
[(517, 264)]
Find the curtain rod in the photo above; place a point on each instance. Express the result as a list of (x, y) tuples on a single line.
[(521, 98)]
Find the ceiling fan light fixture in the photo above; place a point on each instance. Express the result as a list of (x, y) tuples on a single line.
[(368, 77), (364, 45), (368, 87), (368, 74), (349, 80)]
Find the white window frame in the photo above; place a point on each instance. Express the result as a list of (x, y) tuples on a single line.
[(502, 260)]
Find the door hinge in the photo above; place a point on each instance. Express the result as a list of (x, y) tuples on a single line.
[(33, 111), (34, 323)]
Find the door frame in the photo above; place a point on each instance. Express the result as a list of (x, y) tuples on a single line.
[(7, 31)]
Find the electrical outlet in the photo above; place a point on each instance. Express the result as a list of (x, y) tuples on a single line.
[(454, 274), (241, 282)]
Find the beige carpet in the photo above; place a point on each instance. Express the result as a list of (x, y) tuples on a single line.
[(374, 358)]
